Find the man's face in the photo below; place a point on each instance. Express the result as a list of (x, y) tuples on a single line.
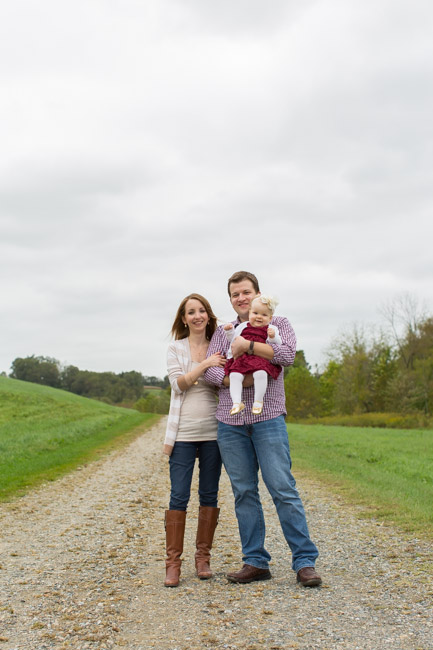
[(241, 295)]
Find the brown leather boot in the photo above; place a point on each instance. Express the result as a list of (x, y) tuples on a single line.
[(174, 533), (207, 522)]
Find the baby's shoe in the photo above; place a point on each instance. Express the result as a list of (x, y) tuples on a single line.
[(257, 408), (237, 408)]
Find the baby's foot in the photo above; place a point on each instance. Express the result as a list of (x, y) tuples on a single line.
[(237, 408), (257, 408)]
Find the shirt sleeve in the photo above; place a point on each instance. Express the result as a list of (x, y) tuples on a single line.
[(277, 337), (174, 369), (284, 353), (230, 334), (219, 343)]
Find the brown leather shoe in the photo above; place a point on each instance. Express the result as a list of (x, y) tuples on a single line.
[(308, 577), (249, 573)]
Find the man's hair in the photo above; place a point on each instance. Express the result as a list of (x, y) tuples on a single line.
[(239, 276)]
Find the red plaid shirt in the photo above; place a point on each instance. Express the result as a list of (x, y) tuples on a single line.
[(274, 402)]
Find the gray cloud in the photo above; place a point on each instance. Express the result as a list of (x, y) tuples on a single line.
[(150, 150), (245, 17)]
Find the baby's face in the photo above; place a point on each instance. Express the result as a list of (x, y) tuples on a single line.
[(260, 315)]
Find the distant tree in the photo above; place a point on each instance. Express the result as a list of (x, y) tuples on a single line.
[(423, 396), (392, 371), (360, 373), (352, 391), (154, 381), (301, 388), (68, 378), (135, 382), (299, 362), (302, 393), (328, 381), (412, 388), (383, 370), (154, 401), (39, 370), (404, 317)]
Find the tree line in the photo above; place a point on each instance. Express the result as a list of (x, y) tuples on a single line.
[(385, 371), (125, 388), (389, 371)]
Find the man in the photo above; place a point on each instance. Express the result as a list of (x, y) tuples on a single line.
[(249, 441)]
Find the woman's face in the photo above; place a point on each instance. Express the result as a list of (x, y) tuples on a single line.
[(196, 316)]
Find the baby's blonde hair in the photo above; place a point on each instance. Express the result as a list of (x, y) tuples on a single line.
[(270, 302)]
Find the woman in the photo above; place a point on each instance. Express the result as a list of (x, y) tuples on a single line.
[(191, 432)]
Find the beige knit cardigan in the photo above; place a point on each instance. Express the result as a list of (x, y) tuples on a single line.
[(178, 364)]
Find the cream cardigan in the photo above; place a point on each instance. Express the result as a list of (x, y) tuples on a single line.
[(178, 364)]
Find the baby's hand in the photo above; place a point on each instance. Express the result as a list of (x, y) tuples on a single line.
[(271, 332), (228, 327)]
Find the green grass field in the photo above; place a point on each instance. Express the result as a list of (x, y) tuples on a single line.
[(45, 432), (387, 471)]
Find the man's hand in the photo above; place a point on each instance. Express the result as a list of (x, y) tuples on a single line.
[(239, 346)]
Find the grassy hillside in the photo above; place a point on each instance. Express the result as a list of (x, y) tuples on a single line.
[(45, 432), (389, 471)]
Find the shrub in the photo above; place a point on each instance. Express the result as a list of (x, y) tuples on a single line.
[(381, 420)]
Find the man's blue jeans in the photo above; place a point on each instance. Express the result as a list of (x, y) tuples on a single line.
[(244, 449), (182, 461)]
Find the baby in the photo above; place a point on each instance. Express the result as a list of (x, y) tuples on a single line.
[(256, 329)]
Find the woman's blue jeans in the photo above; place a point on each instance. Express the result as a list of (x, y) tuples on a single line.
[(182, 461), (245, 448)]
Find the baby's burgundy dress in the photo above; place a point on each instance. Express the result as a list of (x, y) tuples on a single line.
[(249, 363)]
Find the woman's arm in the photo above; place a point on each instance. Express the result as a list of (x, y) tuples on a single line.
[(189, 379)]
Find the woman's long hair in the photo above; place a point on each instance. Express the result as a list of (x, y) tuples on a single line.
[(180, 331)]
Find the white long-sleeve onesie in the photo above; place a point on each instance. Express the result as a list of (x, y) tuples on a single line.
[(237, 331)]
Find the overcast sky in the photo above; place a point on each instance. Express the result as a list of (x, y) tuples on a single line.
[(150, 148)]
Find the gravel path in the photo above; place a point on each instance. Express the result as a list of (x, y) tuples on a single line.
[(82, 567)]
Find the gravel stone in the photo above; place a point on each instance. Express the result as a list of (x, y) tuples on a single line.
[(82, 568)]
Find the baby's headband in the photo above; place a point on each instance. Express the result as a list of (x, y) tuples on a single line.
[(270, 301)]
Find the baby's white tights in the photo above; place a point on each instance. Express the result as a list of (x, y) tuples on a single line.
[(260, 386)]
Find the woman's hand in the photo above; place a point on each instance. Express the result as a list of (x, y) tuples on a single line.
[(215, 360)]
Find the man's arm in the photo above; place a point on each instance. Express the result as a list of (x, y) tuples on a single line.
[(280, 354), (241, 345), (284, 353), (219, 343)]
